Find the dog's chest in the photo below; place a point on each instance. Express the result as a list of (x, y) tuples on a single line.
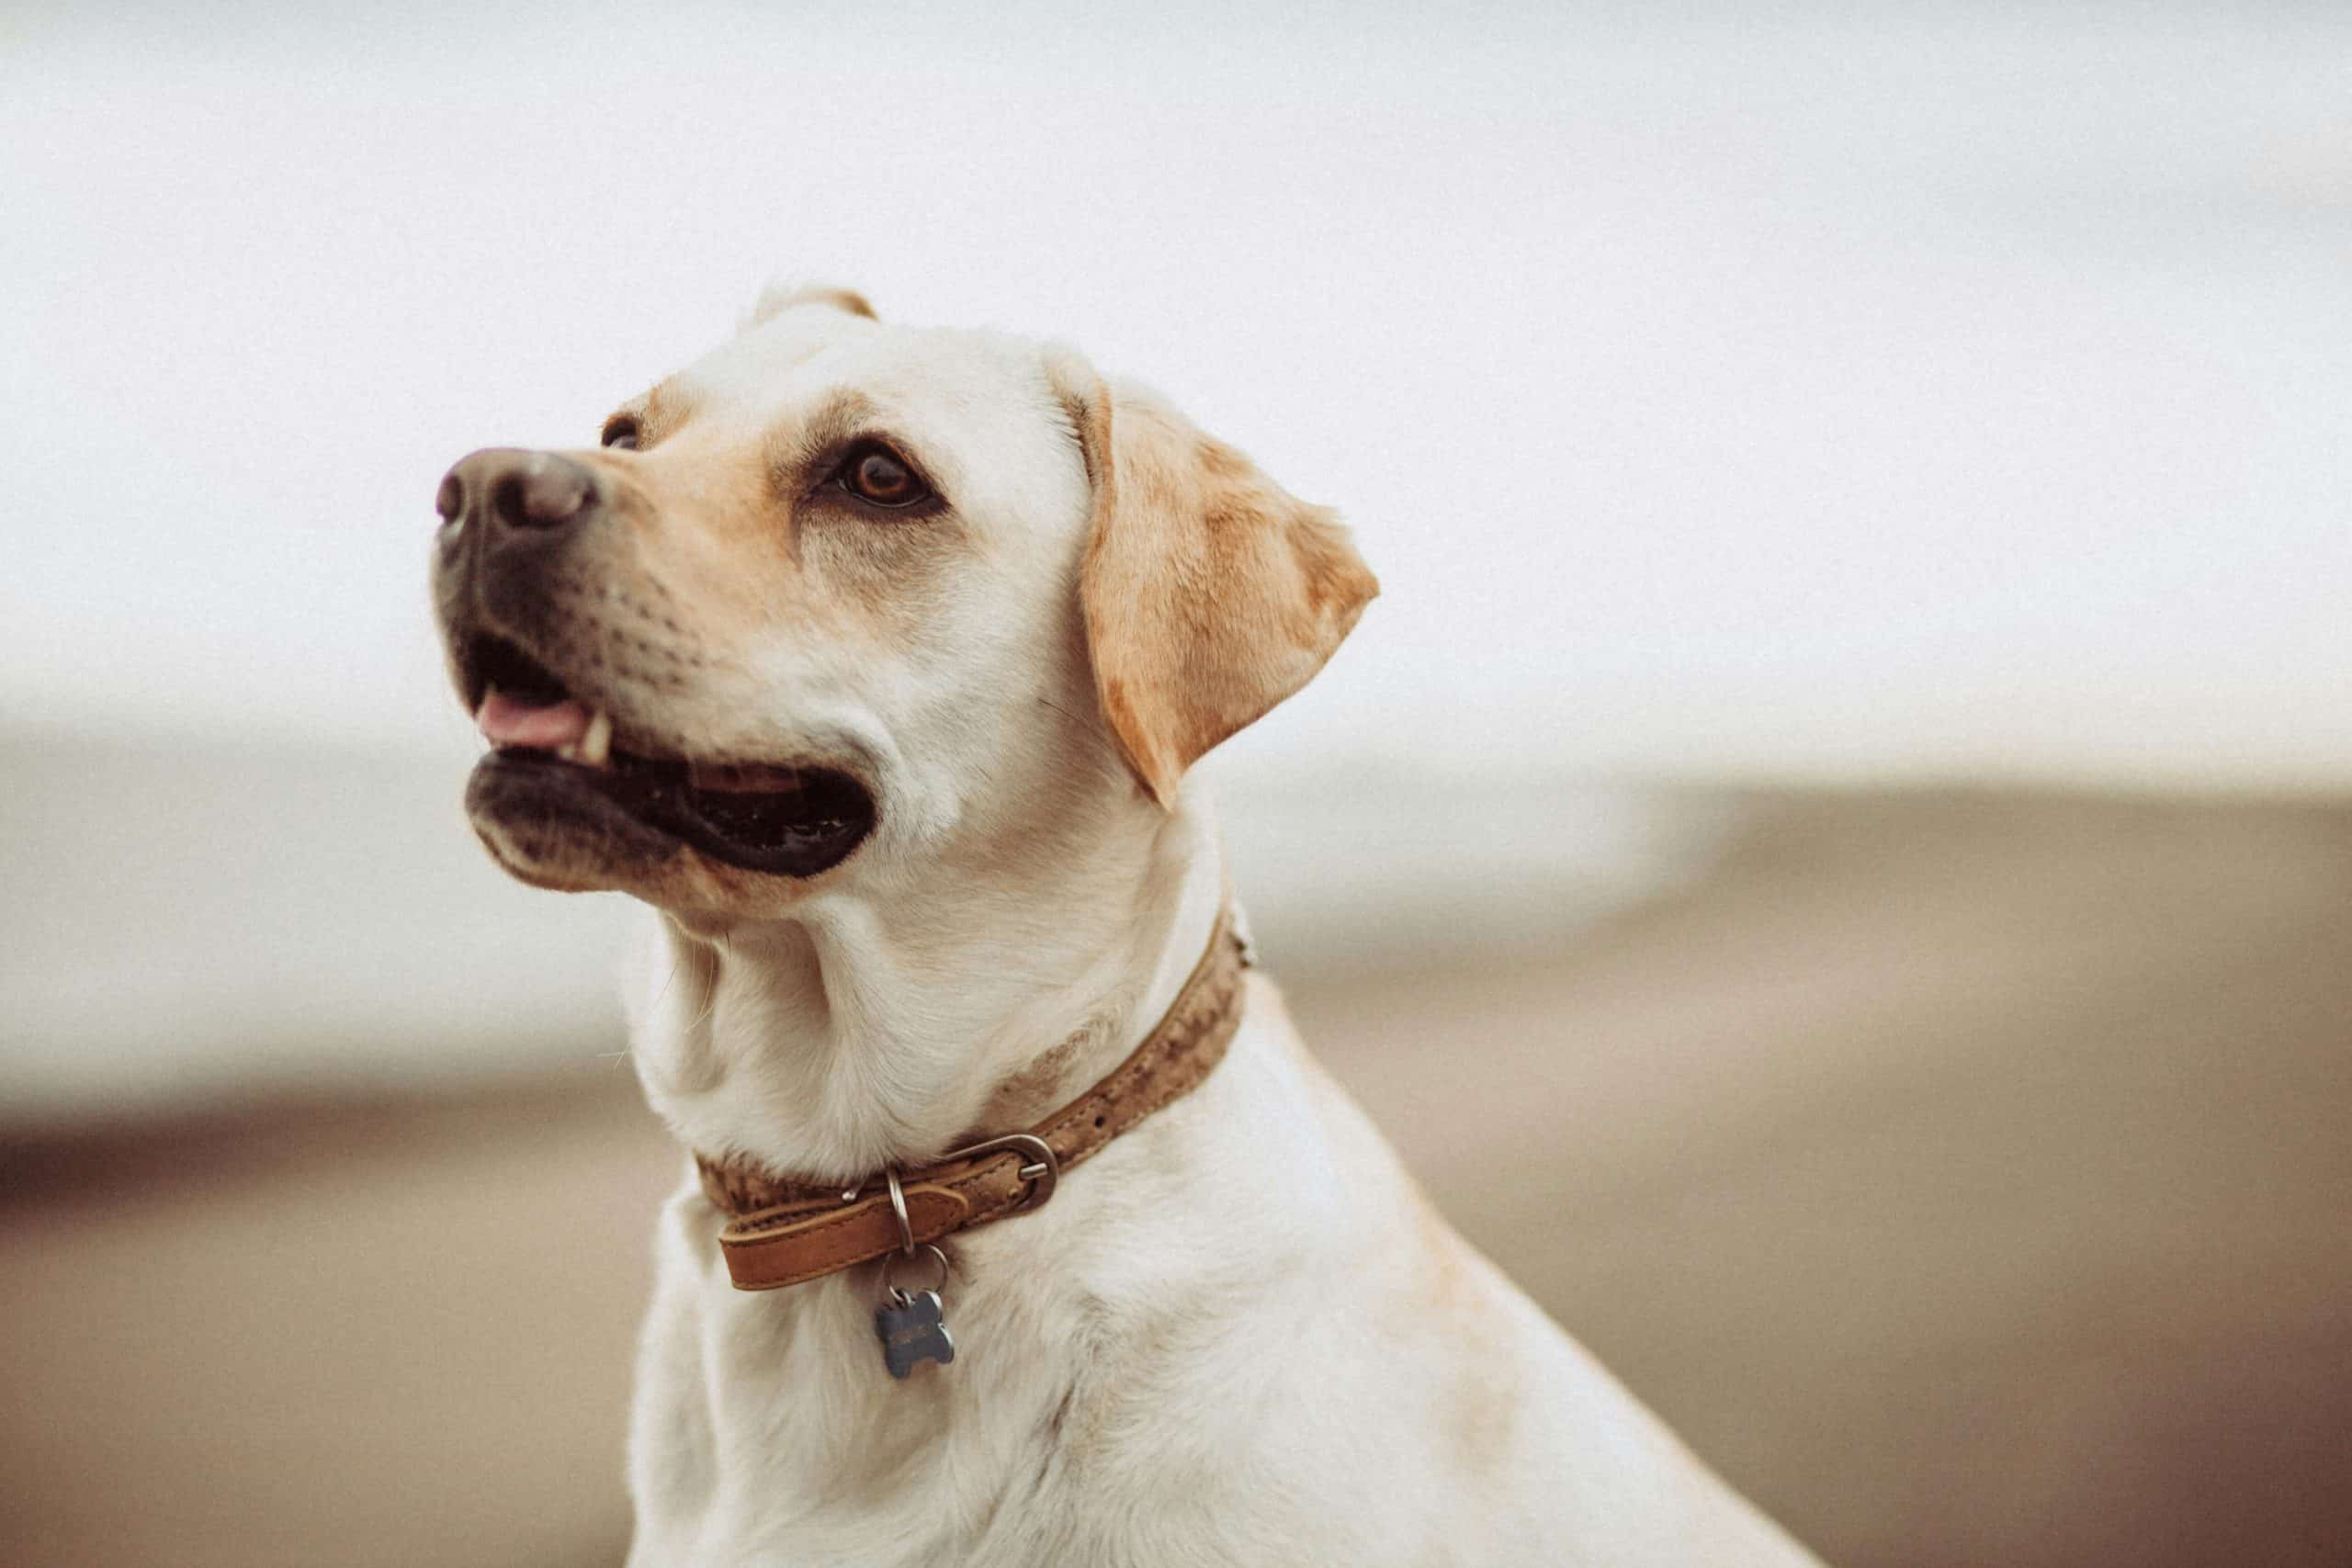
[(769, 1429)]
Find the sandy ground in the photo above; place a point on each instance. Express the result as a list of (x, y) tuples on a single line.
[(1966, 1176)]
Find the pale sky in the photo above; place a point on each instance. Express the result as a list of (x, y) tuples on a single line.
[(1963, 392)]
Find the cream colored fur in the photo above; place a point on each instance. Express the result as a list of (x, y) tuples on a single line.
[(1239, 1335)]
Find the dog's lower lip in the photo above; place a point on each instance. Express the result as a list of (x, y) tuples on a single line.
[(744, 779), (791, 821)]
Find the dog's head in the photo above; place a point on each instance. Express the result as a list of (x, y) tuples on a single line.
[(842, 593)]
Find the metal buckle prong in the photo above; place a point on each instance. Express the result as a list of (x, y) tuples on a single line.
[(1042, 1170)]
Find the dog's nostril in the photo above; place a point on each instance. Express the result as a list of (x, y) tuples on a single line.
[(452, 497), (541, 492), (506, 498)]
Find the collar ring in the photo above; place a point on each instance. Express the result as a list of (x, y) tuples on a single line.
[(899, 1212)]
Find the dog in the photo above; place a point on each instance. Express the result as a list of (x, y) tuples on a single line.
[(876, 660)]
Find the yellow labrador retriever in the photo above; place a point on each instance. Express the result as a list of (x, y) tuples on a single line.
[(1021, 1229)]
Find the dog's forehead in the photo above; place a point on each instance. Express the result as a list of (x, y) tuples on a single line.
[(953, 385)]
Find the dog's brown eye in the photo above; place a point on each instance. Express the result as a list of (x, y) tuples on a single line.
[(620, 431), (874, 474)]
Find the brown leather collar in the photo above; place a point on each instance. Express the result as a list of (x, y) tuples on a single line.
[(782, 1233)]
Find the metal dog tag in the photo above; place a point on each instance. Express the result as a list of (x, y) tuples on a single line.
[(913, 1330)]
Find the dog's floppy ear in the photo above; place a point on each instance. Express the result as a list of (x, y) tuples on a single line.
[(778, 298), (1210, 594)]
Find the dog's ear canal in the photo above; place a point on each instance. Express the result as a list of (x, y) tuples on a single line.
[(1210, 594)]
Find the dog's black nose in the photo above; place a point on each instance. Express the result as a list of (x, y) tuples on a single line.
[(505, 488)]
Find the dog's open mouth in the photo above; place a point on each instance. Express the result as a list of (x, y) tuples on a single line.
[(554, 757)]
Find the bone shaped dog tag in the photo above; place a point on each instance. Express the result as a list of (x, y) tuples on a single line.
[(913, 1330)]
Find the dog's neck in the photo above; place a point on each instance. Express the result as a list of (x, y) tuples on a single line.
[(882, 1027)]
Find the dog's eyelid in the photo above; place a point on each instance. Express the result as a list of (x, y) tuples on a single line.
[(621, 430), (830, 470), (859, 446)]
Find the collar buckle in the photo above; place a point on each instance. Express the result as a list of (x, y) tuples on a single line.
[(1042, 1169)]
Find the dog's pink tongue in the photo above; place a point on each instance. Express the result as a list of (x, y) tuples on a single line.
[(506, 722)]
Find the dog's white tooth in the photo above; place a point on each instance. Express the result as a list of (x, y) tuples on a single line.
[(569, 751), (596, 746)]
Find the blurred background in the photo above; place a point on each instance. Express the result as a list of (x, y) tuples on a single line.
[(1832, 857)]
